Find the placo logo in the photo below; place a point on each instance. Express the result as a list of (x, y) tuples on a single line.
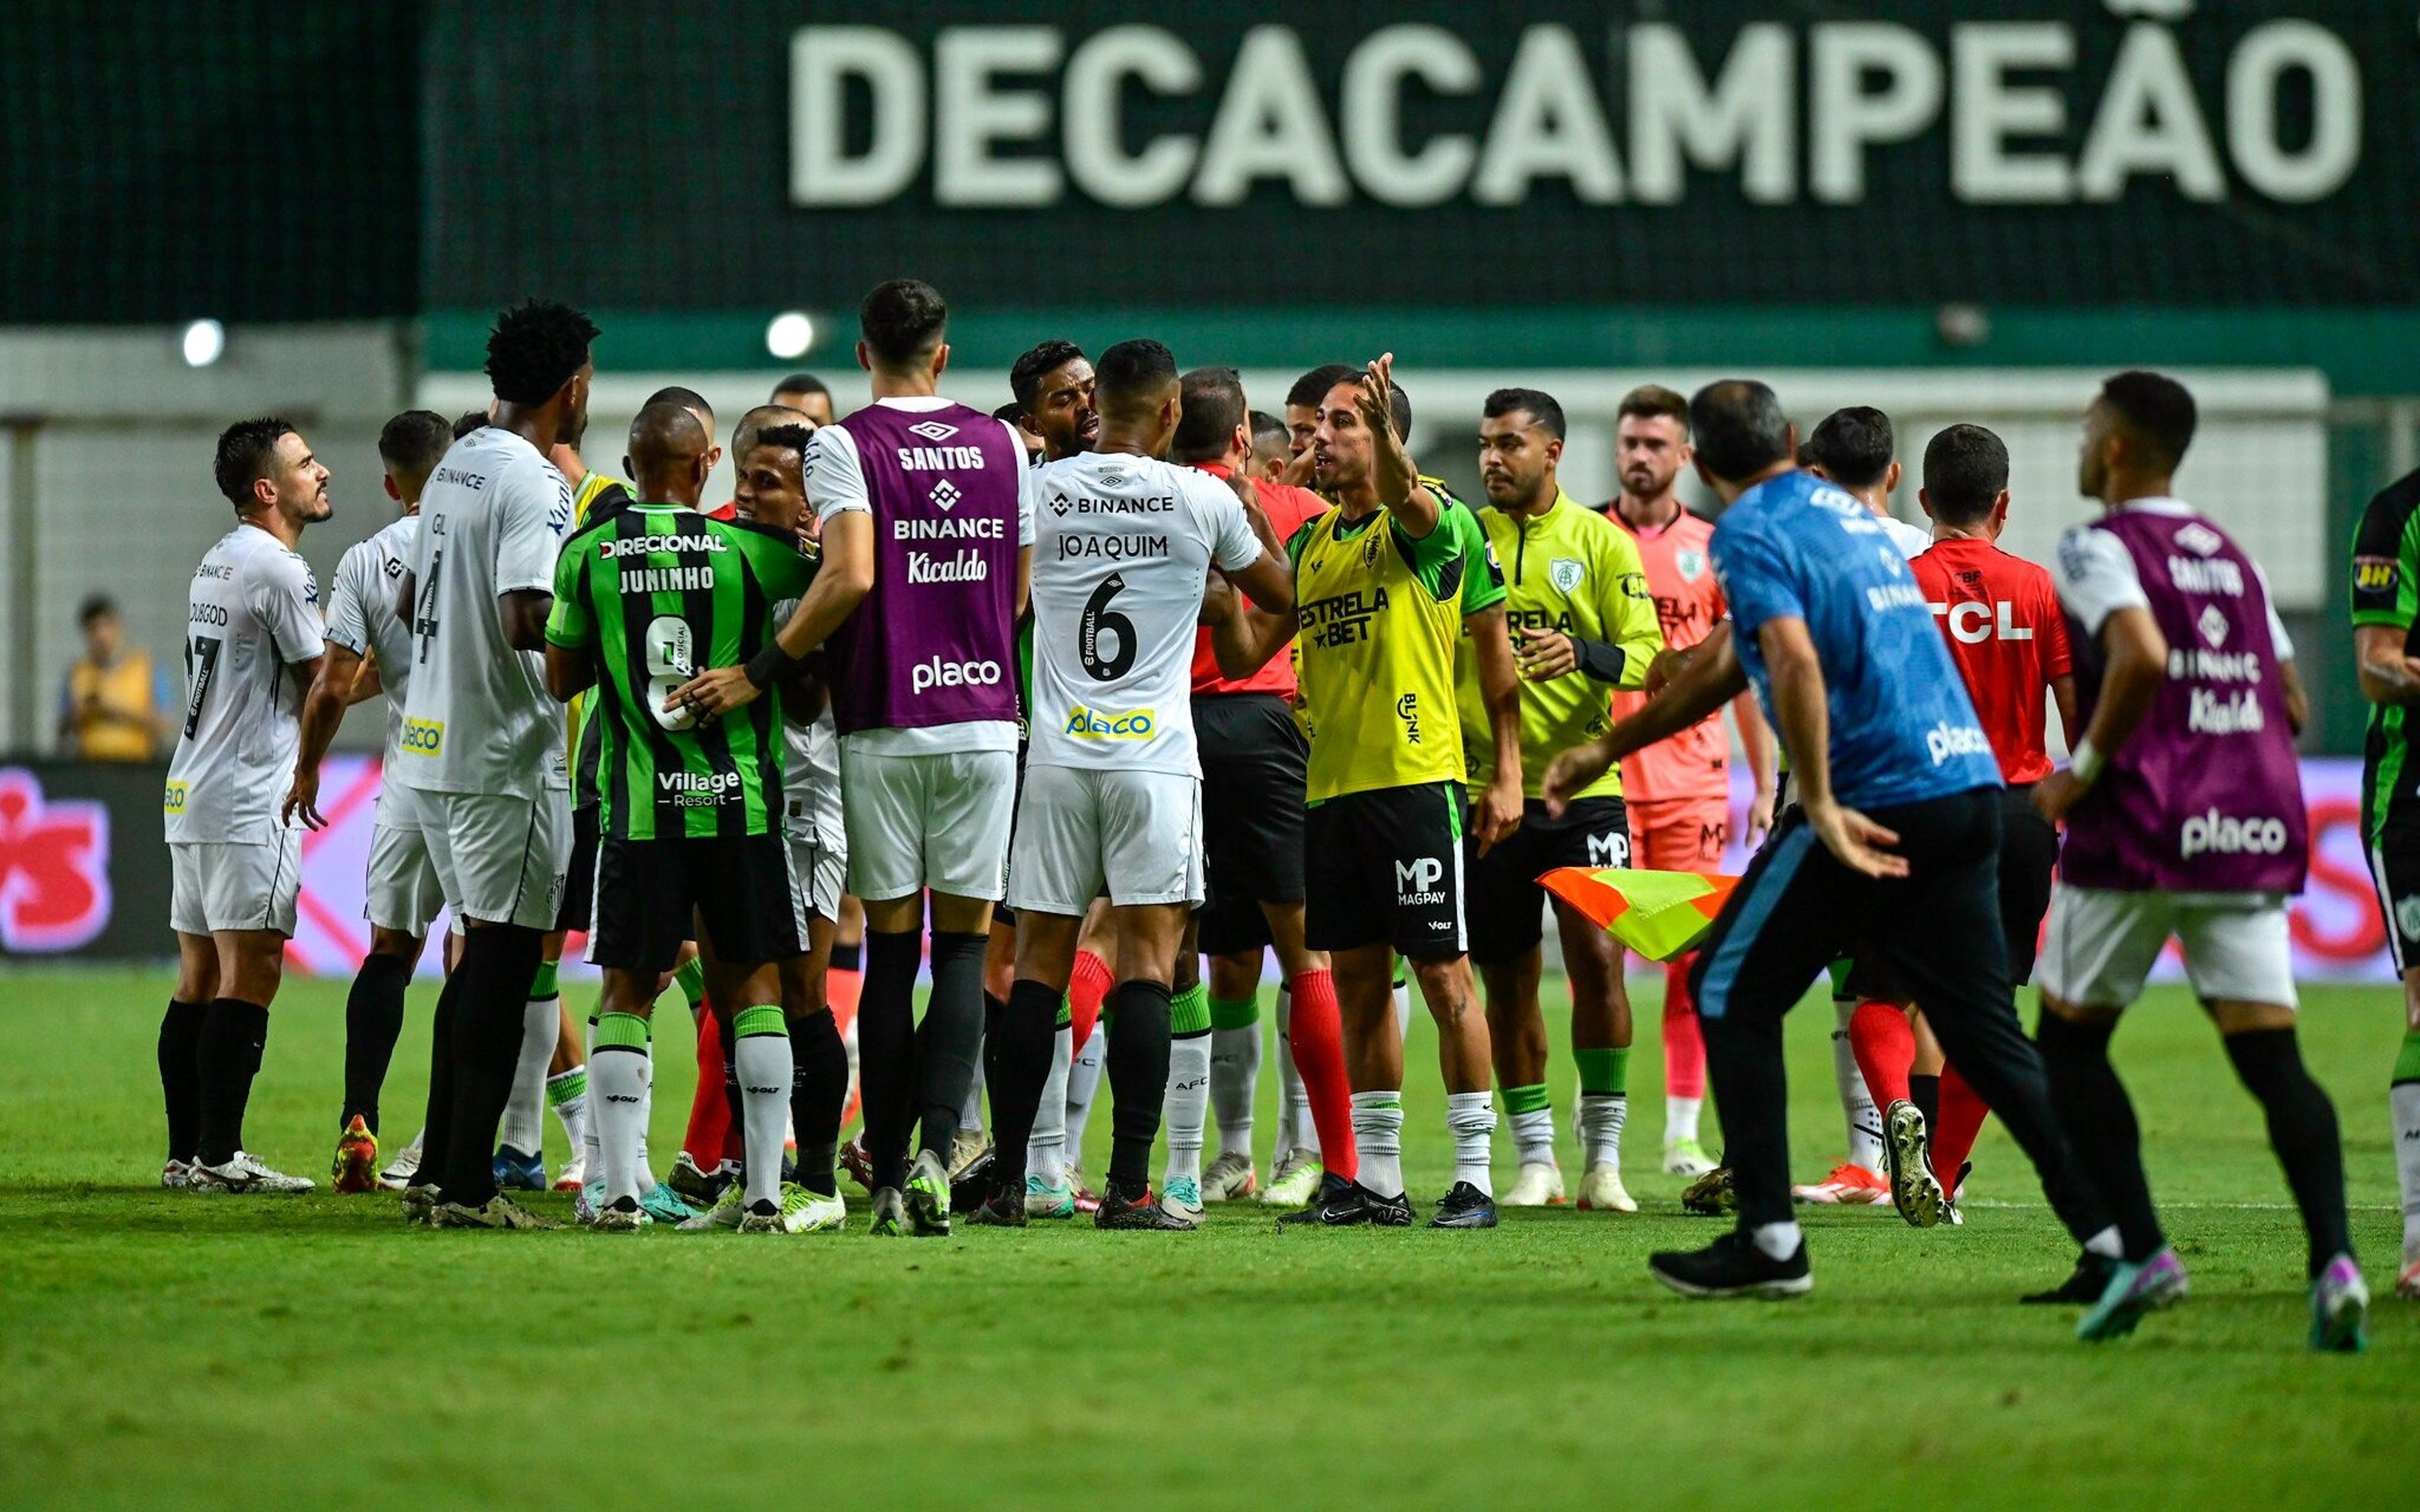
[(2218, 834), (938, 674), (423, 738), (1100, 724), (1945, 740), (53, 868), (173, 800), (1416, 882)]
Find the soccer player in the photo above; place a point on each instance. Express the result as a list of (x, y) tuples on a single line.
[(1383, 583), (1584, 625), (483, 747), (1253, 756), (1272, 446), (926, 508), (2385, 602), (2000, 619), (253, 646), (400, 895), (1123, 542), (808, 396), (689, 813), (1893, 841), (2183, 805), (1678, 791)]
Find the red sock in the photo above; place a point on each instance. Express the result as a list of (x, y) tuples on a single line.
[(840, 990), (1684, 1038), (1962, 1119), (1884, 1045), (1086, 990), (710, 1115), (1316, 1031)]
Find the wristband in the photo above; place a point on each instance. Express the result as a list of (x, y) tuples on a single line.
[(769, 664), (2086, 762)]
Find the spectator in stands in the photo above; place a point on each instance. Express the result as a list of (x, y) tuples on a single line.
[(116, 702)]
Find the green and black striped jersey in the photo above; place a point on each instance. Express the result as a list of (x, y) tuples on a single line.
[(654, 593), (2386, 591)]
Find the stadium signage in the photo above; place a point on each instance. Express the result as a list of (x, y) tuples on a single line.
[(1035, 115)]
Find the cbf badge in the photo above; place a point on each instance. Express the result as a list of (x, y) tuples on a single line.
[(1690, 562), (1565, 574)]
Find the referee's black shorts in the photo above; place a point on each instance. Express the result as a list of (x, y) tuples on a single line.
[(1254, 765)]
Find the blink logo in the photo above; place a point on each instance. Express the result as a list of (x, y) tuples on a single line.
[(945, 495), (1407, 709), (932, 430), (1416, 882)]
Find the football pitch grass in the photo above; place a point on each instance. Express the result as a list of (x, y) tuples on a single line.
[(158, 1349)]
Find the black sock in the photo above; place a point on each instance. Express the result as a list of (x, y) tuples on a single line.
[(2303, 1131), (886, 1051), (181, 1076), (1925, 1093), (848, 957), (373, 1022), (499, 963), (2098, 1119), (1743, 1072), (227, 1057), (437, 1122), (950, 1036), (1019, 1048), (1137, 1063), (819, 1094)]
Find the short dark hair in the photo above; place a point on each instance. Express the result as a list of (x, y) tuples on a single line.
[(1853, 446), (536, 348), (94, 607), (245, 450), (1965, 467), (2157, 408), (752, 426), (801, 383), (469, 420), (1010, 413), (1043, 357), (1311, 390), (1214, 407), (1540, 406), (1739, 426), (1399, 407), (1651, 401), (902, 320), (686, 398), (788, 438), (1133, 371), (1266, 426), (415, 441)]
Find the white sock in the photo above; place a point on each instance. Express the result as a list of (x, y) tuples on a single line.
[(1681, 1118), (1857, 1109), (849, 1043), (589, 1149), (1602, 1115), (1779, 1241), (763, 1061), (1083, 1082), (621, 1073), (1235, 1077), (970, 1113), (1533, 1134), (1186, 1110), (568, 1094), (1471, 1116), (2107, 1244), (1046, 1153), (1403, 1010), (1378, 1134), (2404, 1098), (524, 1122)]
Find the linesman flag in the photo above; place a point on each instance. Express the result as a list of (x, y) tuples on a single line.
[(1657, 914)]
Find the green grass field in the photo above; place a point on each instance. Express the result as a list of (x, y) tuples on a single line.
[(160, 1349)]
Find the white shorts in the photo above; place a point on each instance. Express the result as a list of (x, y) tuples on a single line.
[(818, 845), (938, 820), (235, 885), (400, 891), (2103, 945), (1138, 834), (500, 859)]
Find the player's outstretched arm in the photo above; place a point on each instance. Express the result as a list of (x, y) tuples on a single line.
[(1800, 708), (2136, 656), (1498, 812), (841, 585), (323, 709), (1398, 482)]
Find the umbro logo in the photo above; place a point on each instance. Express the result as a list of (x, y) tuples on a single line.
[(1113, 480), (932, 430), (945, 495), (2201, 540)]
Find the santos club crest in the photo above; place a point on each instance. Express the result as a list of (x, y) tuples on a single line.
[(1565, 574)]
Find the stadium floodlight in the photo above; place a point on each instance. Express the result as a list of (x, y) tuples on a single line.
[(203, 343), (789, 335)]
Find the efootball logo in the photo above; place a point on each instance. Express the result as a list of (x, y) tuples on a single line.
[(53, 868), (932, 430)]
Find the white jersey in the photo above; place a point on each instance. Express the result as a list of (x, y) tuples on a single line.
[(478, 717), (252, 615), (1123, 546), (364, 617), (1913, 541)]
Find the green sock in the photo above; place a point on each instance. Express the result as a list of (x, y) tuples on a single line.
[(1236, 1012), (625, 1031), (543, 985), (1525, 1099), (1067, 1012), (691, 980), (2407, 1063), (1189, 1011), (563, 1089), (1603, 1070)]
